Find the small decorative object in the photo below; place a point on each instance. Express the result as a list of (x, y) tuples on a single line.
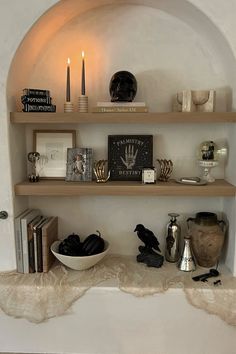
[(37, 100), (148, 175), (207, 234), (123, 87), (190, 101), (208, 159), (79, 164), (83, 99), (187, 261), (33, 157), (203, 277), (147, 254), (128, 154), (172, 252), (52, 146), (100, 171), (68, 105), (166, 167), (194, 181)]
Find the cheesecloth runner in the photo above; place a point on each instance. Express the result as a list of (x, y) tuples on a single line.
[(40, 296)]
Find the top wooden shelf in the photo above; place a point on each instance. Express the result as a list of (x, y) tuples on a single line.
[(118, 118)]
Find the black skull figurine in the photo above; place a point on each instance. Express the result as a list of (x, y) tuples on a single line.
[(123, 87)]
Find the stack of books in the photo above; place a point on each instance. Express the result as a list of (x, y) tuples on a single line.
[(37, 100), (120, 107), (34, 234)]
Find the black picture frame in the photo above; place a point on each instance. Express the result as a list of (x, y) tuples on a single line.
[(128, 155)]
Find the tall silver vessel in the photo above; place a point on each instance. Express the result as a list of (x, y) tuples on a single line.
[(172, 250)]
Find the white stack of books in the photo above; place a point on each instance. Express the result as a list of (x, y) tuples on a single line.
[(120, 107), (34, 234)]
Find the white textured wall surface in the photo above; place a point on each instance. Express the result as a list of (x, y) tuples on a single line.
[(169, 45)]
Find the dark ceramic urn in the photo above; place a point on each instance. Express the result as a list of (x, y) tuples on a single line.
[(207, 234)]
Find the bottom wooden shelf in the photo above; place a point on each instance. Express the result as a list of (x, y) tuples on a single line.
[(220, 188)]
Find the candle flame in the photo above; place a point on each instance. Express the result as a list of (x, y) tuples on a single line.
[(68, 61), (83, 54)]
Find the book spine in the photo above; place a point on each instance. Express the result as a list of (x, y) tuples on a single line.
[(39, 108), (121, 104), (25, 246), (31, 255), (36, 100), (120, 109), (39, 249), (18, 246), (35, 251), (35, 92)]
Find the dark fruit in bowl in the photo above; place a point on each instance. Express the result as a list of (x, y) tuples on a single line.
[(71, 246), (93, 244)]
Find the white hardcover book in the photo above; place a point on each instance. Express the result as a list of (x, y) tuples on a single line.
[(18, 241), (24, 229), (121, 104)]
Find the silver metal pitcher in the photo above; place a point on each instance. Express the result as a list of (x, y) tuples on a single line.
[(187, 262), (172, 250)]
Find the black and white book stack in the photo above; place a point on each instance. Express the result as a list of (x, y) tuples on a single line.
[(37, 100)]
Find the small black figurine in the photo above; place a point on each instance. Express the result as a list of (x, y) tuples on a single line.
[(147, 254), (123, 87)]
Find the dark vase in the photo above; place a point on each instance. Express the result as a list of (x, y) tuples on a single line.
[(207, 234)]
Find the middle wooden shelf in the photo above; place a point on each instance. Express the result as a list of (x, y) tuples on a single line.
[(220, 188)]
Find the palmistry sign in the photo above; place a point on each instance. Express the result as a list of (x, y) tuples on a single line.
[(128, 155)]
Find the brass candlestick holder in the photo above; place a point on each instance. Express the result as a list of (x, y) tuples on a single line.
[(100, 172), (166, 167), (83, 104), (68, 107)]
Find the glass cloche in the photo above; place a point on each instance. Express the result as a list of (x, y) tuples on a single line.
[(208, 151)]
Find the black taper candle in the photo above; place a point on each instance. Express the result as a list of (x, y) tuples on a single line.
[(83, 76), (68, 81)]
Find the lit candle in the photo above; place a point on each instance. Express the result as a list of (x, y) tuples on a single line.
[(83, 76), (68, 81)]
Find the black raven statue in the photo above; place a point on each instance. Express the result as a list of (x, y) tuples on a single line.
[(147, 254), (147, 237)]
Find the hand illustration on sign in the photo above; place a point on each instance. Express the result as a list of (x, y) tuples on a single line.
[(130, 157)]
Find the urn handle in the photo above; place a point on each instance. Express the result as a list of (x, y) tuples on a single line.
[(188, 220), (222, 224)]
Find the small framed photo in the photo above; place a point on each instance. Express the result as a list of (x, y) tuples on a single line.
[(52, 146), (79, 165), (128, 155)]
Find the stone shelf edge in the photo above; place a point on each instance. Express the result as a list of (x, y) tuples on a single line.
[(119, 118), (220, 188)]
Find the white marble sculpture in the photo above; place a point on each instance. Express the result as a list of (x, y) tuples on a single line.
[(194, 101)]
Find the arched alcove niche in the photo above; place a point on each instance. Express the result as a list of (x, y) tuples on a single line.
[(168, 45)]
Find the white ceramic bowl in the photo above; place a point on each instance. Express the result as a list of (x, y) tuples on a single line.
[(76, 262)]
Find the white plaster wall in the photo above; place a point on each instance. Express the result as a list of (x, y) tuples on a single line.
[(113, 322), (167, 334), (198, 57), (139, 39)]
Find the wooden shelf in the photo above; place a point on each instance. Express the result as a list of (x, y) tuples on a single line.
[(118, 118), (219, 188)]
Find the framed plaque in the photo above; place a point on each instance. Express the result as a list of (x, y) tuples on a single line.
[(128, 155)]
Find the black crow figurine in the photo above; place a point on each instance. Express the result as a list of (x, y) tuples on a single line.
[(147, 237)]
